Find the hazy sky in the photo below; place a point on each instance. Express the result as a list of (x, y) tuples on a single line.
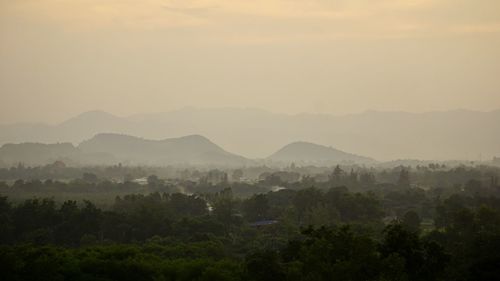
[(59, 58)]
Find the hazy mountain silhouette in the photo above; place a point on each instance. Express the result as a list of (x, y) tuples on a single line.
[(114, 148), (192, 150), (305, 152), (37, 153), (459, 134), (111, 148)]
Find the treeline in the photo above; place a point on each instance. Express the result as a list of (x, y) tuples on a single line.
[(296, 232), (177, 237), (421, 181), (137, 217), (59, 170), (319, 254), (89, 186), (354, 177)]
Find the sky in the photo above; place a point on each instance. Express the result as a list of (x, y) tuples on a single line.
[(59, 58)]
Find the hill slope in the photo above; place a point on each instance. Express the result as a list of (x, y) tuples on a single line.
[(193, 150), (306, 152), (37, 153), (458, 134), (105, 149)]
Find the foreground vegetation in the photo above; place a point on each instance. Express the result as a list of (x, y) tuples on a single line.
[(346, 228)]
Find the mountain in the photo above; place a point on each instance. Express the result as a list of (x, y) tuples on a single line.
[(191, 150), (73, 130), (255, 133), (37, 153), (87, 123), (113, 148), (306, 152)]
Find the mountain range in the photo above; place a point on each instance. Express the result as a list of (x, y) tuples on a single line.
[(106, 149), (189, 150), (255, 133), (310, 153)]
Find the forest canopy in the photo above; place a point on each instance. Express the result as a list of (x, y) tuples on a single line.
[(406, 223)]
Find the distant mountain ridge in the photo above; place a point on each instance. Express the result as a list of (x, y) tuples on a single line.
[(37, 153), (194, 150), (306, 152), (104, 149), (447, 135)]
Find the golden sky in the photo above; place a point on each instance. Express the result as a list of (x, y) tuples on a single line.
[(59, 58)]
